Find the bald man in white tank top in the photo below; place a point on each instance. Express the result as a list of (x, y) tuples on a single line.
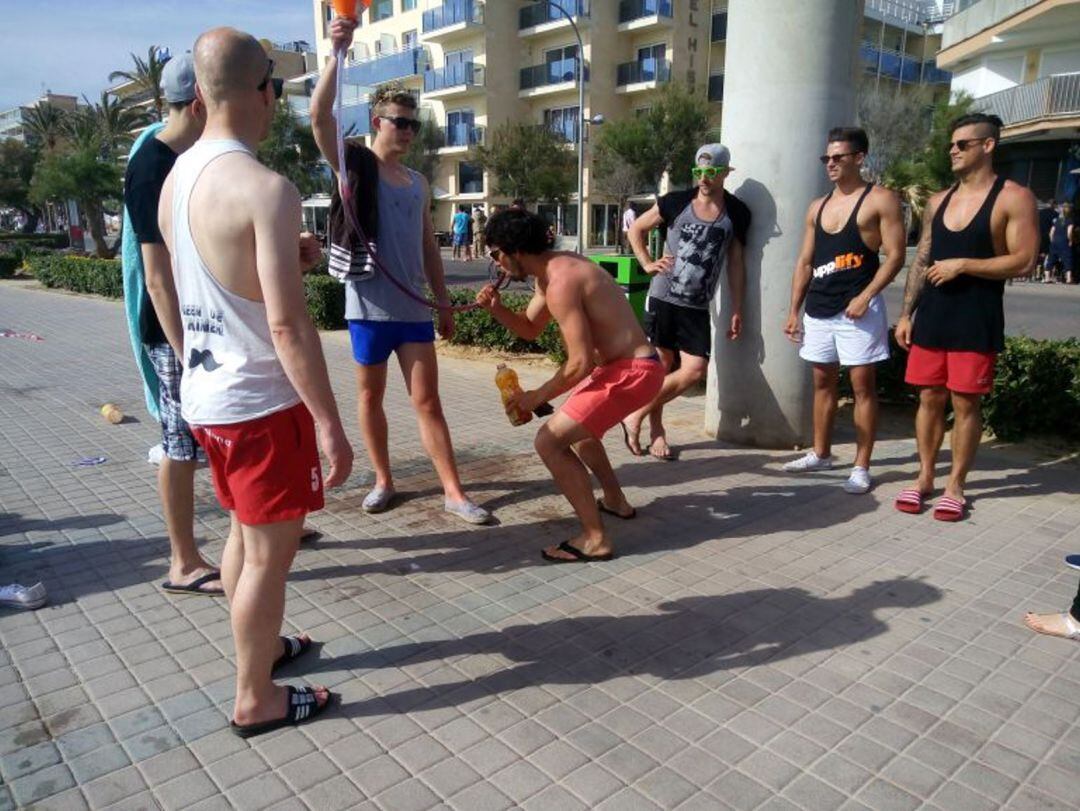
[(255, 387)]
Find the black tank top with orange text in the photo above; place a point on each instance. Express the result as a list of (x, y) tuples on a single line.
[(843, 264)]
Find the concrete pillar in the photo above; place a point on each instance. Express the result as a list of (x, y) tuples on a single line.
[(789, 77)]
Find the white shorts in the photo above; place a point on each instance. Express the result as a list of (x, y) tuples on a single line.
[(847, 341)]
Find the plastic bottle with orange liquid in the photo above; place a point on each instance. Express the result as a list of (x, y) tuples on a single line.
[(507, 381)]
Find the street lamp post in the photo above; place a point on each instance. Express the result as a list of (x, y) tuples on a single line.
[(580, 69)]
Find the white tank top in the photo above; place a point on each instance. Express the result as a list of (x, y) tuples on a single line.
[(231, 370)]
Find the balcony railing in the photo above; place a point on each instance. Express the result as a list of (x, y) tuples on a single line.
[(1047, 98), (716, 87), (643, 70), (900, 66), (462, 135), (452, 12), (545, 12), (630, 10), (386, 68), (719, 26), (563, 70), (460, 74), (356, 119)]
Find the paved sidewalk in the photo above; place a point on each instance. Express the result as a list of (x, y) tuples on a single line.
[(763, 641)]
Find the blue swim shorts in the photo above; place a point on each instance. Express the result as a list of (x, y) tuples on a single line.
[(374, 341)]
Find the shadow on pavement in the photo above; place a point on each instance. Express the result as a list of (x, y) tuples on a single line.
[(693, 637)]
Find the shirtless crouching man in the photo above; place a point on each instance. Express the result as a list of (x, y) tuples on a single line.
[(255, 387), (610, 366)]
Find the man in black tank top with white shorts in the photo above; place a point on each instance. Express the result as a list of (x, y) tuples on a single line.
[(975, 235), (839, 277)]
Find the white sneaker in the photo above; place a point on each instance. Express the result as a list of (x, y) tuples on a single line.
[(809, 462), (858, 482), (23, 597)]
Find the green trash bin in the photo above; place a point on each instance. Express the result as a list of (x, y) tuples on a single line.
[(626, 270)]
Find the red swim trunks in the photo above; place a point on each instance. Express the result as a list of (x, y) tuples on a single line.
[(266, 470), (614, 391), (962, 372)]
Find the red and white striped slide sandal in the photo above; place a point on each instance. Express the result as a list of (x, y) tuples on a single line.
[(949, 509), (910, 500)]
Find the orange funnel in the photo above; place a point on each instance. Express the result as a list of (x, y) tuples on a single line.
[(347, 8)]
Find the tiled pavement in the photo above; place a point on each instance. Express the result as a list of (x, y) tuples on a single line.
[(762, 642)]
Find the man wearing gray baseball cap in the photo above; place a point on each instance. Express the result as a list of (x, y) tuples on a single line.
[(706, 231), (154, 319)]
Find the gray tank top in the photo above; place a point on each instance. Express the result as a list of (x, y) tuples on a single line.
[(401, 251)]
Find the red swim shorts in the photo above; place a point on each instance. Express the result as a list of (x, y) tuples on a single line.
[(962, 372), (266, 470), (614, 391)]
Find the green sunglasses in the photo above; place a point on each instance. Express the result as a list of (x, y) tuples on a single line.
[(708, 171)]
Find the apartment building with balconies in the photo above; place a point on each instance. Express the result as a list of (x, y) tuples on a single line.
[(475, 64), (1020, 59), (11, 121)]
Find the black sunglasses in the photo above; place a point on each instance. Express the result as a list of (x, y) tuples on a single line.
[(402, 122), (964, 143), (839, 156), (279, 84)]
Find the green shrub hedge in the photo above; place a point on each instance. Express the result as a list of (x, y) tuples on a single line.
[(81, 274), (1036, 388), (9, 263), (325, 300), (55, 241), (479, 328)]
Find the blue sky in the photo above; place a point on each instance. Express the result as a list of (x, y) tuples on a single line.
[(71, 46)]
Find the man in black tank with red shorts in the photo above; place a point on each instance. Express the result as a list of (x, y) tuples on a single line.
[(975, 235), (840, 277)]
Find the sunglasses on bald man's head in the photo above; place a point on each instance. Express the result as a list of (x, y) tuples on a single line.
[(402, 122), (279, 84)]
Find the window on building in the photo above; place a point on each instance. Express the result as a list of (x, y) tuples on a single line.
[(459, 127), (560, 54), (470, 178), (563, 218), (381, 10), (408, 39), (604, 227), (563, 121), (408, 5)]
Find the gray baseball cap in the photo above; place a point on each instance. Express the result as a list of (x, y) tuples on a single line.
[(713, 155), (178, 79)]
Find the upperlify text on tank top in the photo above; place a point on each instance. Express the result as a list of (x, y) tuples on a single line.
[(847, 261), (194, 320)]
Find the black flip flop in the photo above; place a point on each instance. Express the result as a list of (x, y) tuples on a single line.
[(579, 556), (195, 586), (626, 440), (605, 509), (303, 707), (295, 647), (310, 534)]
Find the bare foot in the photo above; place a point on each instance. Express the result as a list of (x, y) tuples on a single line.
[(589, 547), (632, 435), (621, 508), (182, 580), (258, 713), (1062, 625), (660, 449)]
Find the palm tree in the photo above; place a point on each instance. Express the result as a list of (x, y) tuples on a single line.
[(116, 121), (44, 124), (146, 77)]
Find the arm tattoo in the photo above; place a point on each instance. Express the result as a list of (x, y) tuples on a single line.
[(916, 277)]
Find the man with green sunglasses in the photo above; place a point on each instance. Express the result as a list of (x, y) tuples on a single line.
[(706, 231)]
